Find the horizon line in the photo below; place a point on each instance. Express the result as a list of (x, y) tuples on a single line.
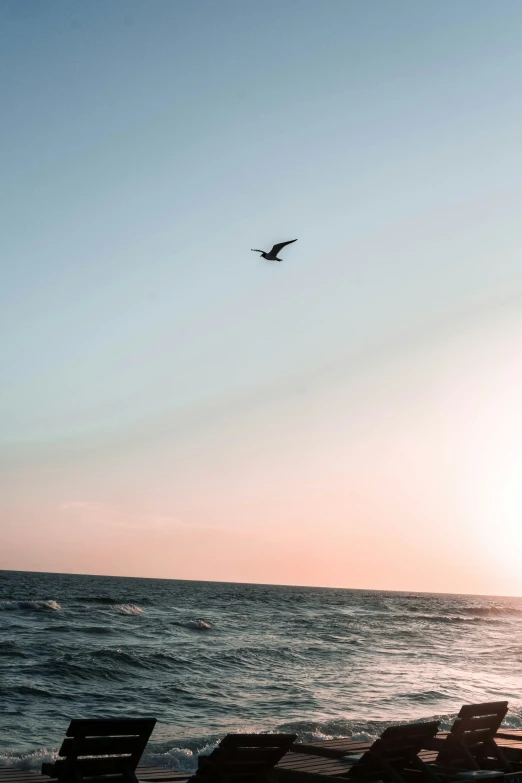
[(260, 584)]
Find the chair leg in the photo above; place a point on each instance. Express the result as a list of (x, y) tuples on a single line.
[(130, 774), (469, 755), (501, 756)]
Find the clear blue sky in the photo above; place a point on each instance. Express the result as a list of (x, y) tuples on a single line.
[(145, 147)]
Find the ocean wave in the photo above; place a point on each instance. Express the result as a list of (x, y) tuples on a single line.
[(108, 664), (182, 757), (208, 658), (24, 690), (129, 608), (486, 611), (105, 600), (513, 719), (445, 618), (79, 669), (499, 610), (27, 761), (11, 650), (117, 656), (194, 625), (29, 606)]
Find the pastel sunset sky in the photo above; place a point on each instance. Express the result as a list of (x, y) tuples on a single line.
[(171, 405)]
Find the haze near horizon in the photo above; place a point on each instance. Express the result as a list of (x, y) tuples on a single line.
[(173, 406)]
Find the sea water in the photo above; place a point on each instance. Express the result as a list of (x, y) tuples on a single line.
[(207, 658)]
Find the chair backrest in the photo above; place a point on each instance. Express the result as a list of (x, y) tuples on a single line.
[(245, 756), (95, 748), (472, 736), (396, 750)]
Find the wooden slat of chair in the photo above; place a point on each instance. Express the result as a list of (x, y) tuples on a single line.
[(327, 753), (471, 737), (95, 746), (486, 708), (242, 761), (18, 776), (510, 734), (258, 741), (477, 723), (296, 776), (471, 742), (245, 755), (314, 764), (403, 741), (330, 743), (144, 773), (93, 767), (100, 748), (163, 775), (138, 729), (102, 727), (397, 748)]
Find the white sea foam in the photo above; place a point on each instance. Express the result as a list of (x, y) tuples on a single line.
[(331, 663), (129, 609), (180, 759), (195, 625), (31, 761), (53, 605), (200, 625)]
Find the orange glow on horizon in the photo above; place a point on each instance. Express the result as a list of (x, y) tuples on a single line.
[(407, 478)]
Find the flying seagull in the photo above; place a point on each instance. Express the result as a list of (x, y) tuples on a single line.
[(272, 255)]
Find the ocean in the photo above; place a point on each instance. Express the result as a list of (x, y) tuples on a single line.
[(208, 658)]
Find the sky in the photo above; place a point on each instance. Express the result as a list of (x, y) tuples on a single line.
[(173, 406)]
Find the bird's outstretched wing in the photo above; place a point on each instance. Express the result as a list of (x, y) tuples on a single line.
[(275, 250), (253, 249)]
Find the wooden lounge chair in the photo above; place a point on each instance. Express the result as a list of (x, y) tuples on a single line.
[(95, 749), (244, 757), (471, 742), (393, 758)]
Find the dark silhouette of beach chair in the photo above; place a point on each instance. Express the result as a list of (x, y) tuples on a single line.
[(471, 742), (93, 750), (393, 758), (244, 758), (394, 752)]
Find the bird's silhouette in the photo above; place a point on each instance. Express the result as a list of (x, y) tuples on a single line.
[(272, 255)]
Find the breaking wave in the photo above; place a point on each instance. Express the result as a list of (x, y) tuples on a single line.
[(29, 606), (105, 600), (194, 625), (129, 609), (27, 761), (487, 611), (209, 658)]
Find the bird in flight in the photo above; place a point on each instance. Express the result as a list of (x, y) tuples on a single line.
[(272, 255)]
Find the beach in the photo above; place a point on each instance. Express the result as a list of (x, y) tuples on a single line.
[(209, 658)]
